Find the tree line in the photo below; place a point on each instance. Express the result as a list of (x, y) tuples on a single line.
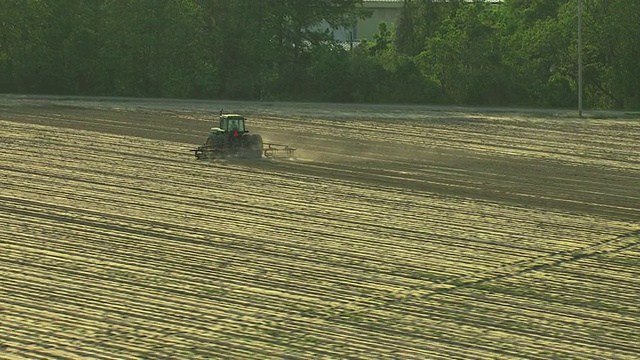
[(517, 53)]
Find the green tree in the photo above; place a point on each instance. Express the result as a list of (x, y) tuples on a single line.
[(72, 45), (381, 39), (155, 48), (464, 60), (23, 56), (329, 73), (265, 48), (536, 43), (611, 53), (298, 29), (421, 20)]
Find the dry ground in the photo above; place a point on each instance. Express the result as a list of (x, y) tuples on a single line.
[(399, 232)]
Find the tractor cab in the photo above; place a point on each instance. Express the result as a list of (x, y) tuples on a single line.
[(233, 124)]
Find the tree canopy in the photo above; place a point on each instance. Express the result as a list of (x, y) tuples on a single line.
[(518, 52)]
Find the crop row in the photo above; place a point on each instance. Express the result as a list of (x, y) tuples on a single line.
[(116, 245)]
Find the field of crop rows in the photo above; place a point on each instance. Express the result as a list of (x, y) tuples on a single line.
[(395, 234)]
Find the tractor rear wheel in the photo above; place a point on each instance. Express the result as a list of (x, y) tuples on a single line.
[(215, 145), (253, 145)]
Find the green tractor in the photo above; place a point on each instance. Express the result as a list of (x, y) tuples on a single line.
[(232, 139)]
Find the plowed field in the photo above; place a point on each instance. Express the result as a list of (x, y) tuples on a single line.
[(397, 233)]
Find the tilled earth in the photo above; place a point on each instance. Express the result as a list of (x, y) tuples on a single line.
[(399, 232)]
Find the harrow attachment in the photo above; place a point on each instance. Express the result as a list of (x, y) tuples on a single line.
[(271, 151)]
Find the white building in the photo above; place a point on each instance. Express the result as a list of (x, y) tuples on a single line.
[(381, 11)]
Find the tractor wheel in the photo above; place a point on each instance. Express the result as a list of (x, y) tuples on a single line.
[(215, 145), (253, 144)]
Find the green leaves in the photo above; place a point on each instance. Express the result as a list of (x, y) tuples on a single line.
[(612, 49), (154, 50), (519, 52), (23, 55)]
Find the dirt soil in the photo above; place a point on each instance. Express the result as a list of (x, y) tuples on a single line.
[(397, 232)]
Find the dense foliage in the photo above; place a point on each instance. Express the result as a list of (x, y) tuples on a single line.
[(521, 52)]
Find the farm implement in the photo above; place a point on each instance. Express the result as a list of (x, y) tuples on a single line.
[(231, 139)]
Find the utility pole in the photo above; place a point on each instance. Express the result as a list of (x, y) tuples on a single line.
[(579, 58)]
